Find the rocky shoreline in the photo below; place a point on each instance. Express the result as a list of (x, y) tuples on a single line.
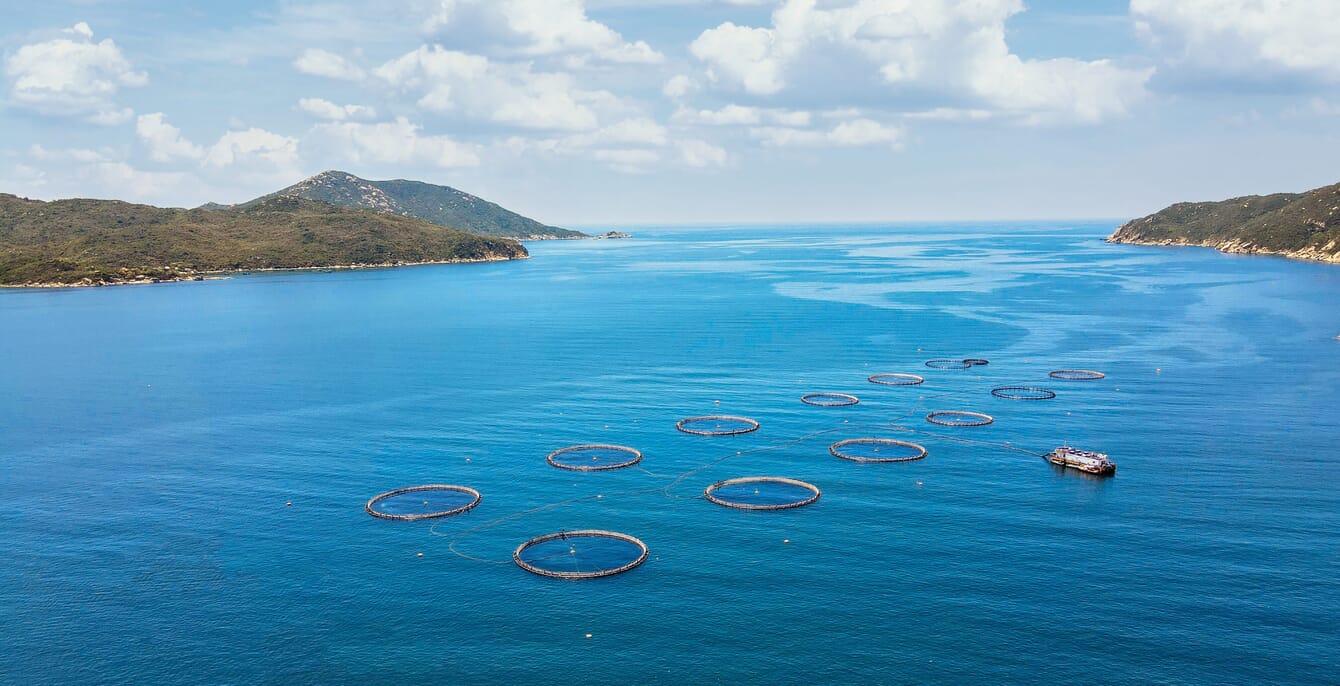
[(1326, 254)]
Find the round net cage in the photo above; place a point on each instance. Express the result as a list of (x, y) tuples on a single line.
[(959, 418), (594, 457), (976, 362), (896, 379), (1022, 393), (1077, 375), (947, 364), (582, 554), (829, 399), (423, 502), (877, 450), (762, 493), (716, 425)]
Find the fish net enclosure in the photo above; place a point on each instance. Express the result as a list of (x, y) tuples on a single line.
[(423, 502), (762, 493), (594, 457), (896, 379), (829, 399), (976, 362), (582, 554), (1022, 393), (716, 425), (877, 450), (947, 364), (1077, 375), (959, 418)]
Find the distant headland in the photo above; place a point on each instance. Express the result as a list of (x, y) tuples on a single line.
[(1303, 226)]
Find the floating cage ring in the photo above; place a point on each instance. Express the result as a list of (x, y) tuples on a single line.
[(720, 425), (762, 493), (402, 502), (976, 362), (948, 364), (896, 379), (959, 418), (829, 399), (868, 450), (1023, 393), (594, 457), (1077, 375), (563, 562)]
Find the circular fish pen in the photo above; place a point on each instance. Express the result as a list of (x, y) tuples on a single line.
[(976, 362), (896, 379), (1077, 375), (1023, 393), (947, 364), (582, 554), (423, 502), (877, 450), (716, 425), (959, 418), (594, 457), (829, 399), (762, 493)]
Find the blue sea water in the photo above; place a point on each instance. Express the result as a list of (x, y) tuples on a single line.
[(183, 467)]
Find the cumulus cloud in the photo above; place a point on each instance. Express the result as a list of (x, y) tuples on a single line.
[(956, 50), (678, 86), (253, 146), (699, 153), (319, 62), (851, 133), (741, 115), (325, 109), (399, 141), (505, 93), (164, 141), (1243, 36), (72, 75), (538, 28)]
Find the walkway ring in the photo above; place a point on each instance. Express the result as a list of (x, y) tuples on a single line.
[(1077, 375), (370, 506), (964, 418), (710, 492), (746, 423), (947, 364), (1023, 393), (635, 457), (829, 399), (588, 533), (836, 450), (896, 379)]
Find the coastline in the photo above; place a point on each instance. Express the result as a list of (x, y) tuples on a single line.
[(218, 274), (1230, 247)]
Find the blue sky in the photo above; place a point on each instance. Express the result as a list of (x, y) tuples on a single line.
[(681, 111)]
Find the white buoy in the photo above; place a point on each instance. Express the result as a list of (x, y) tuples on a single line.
[(588, 635), (420, 554)]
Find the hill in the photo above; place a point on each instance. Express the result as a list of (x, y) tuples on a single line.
[(1298, 225), (442, 205), (94, 242)]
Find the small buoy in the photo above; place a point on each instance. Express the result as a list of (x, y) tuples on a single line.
[(588, 635), (572, 551), (918, 483), (786, 540), (467, 459), (717, 402), (420, 554), (599, 495), (288, 504), (1158, 370)]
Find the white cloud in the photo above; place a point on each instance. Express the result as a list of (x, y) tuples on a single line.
[(72, 76), (741, 115), (44, 154), (1240, 36), (950, 114), (538, 28), (851, 133), (164, 140), (253, 146), (504, 93), (325, 109), (319, 62), (678, 86), (398, 141), (955, 50), (698, 153)]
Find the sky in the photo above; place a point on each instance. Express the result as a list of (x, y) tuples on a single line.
[(635, 112)]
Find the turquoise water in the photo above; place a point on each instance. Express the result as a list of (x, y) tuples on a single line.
[(185, 466)]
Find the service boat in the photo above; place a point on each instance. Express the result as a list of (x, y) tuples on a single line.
[(1083, 460)]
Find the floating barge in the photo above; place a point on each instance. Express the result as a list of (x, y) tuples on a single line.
[(1083, 460)]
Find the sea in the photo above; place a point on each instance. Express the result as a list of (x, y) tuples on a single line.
[(184, 467)]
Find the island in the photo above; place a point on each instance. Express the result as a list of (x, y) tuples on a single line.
[(441, 205), (1303, 226), (83, 242)]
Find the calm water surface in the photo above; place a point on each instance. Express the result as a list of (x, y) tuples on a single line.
[(151, 438)]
